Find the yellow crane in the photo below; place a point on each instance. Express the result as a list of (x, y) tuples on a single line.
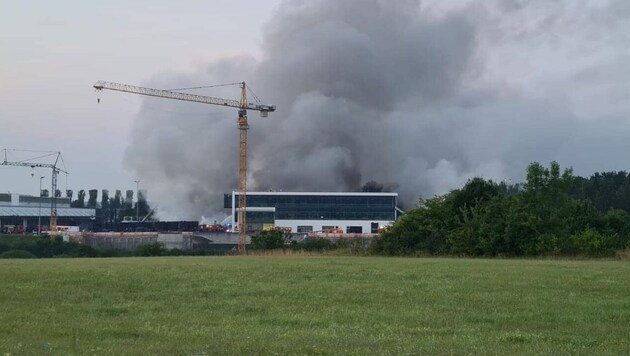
[(243, 105)]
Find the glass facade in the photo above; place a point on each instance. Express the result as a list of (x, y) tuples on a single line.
[(328, 207), (261, 217)]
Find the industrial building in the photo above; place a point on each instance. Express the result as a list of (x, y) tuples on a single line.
[(23, 212), (306, 212)]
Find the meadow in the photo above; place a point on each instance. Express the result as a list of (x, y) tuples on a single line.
[(313, 305)]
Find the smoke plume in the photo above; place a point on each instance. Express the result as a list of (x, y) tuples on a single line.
[(421, 95)]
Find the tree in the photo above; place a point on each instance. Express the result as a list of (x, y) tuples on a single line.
[(92, 199), (69, 193), (105, 212), (607, 190), (105, 199), (80, 202), (117, 200), (116, 205), (422, 229), (475, 191), (548, 182), (129, 198), (486, 219), (128, 208)]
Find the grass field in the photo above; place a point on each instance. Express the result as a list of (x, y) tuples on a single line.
[(313, 305)]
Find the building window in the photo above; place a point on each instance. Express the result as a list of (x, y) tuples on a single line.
[(311, 207), (305, 229), (354, 230)]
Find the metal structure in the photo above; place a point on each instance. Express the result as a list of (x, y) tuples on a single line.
[(243, 105), (137, 199), (39, 208), (55, 171)]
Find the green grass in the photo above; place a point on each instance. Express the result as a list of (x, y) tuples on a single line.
[(313, 305)]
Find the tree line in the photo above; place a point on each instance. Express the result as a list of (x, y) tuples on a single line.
[(113, 209), (20, 246), (606, 190), (552, 213)]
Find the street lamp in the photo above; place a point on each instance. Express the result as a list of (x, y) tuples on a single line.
[(39, 213), (137, 200)]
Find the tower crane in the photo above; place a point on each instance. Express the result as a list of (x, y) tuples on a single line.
[(242, 105), (55, 171)]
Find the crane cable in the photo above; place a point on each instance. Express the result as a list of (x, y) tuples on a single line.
[(256, 98), (203, 87)]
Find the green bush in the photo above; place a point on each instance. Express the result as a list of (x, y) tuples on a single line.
[(151, 249), (483, 218), (421, 229), (352, 246), (315, 245), (110, 252), (590, 242), (17, 254), (270, 240)]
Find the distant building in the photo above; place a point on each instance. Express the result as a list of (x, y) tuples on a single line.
[(23, 211), (305, 212)]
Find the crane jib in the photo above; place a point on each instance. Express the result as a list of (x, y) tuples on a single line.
[(100, 85)]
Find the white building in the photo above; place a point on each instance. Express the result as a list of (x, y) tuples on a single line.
[(304, 212)]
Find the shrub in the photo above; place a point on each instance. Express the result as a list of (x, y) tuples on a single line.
[(352, 247), (110, 252), (420, 229), (269, 240), (315, 245), (592, 243), (85, 251), (151, 249), (17, 254)]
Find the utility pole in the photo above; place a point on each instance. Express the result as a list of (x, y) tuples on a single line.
[(39, 213), (137, 200)]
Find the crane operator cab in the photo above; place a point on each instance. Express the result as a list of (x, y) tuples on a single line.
[(264, 109)]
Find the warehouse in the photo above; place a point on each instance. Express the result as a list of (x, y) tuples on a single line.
[(305, 212), (20, 213)]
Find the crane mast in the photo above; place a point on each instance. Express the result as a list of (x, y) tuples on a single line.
[(243, 126), (242, 105)]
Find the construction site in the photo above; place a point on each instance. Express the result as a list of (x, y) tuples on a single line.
[(303, 215)]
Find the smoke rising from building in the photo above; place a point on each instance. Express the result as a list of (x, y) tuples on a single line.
[(421, 95)]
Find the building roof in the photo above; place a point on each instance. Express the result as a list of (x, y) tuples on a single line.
[(345, 194), (45, 211)]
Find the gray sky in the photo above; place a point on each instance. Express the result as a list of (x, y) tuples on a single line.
[(51, 52), (419, 94)]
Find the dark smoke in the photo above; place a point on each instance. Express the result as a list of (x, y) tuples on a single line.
[(423, 95)]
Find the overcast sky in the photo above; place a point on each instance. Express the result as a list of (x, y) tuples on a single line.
[(419, 94), (51, 52)]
